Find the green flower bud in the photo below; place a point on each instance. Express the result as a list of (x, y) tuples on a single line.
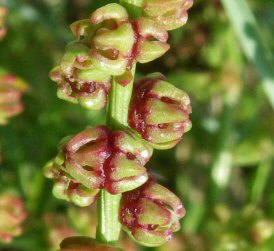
[(11, 90), (125, 168), (84, 244), (12, 214), (80, 82), (65, 188), (159, 111), (151, 213), (113, 41), (3, 29), (170, 14), (152, 42)]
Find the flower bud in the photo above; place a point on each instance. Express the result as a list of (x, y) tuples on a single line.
[(78, 168), (114, 40), (159, 111), (65, 188), (3, 29), (11, 90), (12, 214), (151, 213), (119, 42), (170, 14), (95, 159), (125, 169), (80, 82), (85, 155), (84, 244), (152, 40)]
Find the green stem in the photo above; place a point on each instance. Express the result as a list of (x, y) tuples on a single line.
[(108, 229), (118, 103), (260, 181)]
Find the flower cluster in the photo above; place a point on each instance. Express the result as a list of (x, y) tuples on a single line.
[(151, 213), (119, 41), (3, 29), (106, 45), (98, 158), (11, 90), (159, 111), (84, 244), (12, 214)]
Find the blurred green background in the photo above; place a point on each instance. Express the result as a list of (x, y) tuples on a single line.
[(222, 169)]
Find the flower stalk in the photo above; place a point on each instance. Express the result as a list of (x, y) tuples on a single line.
[(109, 227), (107, 161)]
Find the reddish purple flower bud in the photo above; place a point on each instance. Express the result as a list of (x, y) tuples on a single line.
[(84, 244), (125, 169), (12, 214), (85, 155), (98, 158), (11, 90), (80, 82), (78, 168), (159, 111), (3, 29), (151, 213)]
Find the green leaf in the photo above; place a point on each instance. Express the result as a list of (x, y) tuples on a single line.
[(254, 47)]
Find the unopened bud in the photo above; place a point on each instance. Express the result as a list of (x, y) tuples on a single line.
[(151, 213), (170, 14), (125, 168), (98, 159), (159, 111), (80, 82)]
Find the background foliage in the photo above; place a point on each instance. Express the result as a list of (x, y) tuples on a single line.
[(222, 169)]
